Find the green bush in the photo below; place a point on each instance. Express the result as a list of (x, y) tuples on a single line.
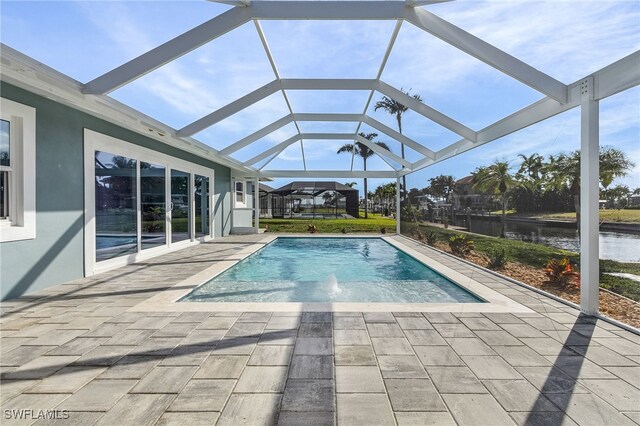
[(431, 238), (460, 245), (497, 258)]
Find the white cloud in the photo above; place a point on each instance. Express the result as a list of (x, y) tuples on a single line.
[(565, 39)]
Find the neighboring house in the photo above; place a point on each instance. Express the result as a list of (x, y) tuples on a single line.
[(633, 201), (309, 200), (465, 197), (424, 202)]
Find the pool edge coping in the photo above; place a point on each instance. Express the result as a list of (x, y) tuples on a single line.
[(168, 300)]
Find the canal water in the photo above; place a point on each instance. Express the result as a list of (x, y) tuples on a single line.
[(620, 246)]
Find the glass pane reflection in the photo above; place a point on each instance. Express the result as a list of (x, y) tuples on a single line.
[(202, 205), (152, 205), (180, 211), (115, 196)]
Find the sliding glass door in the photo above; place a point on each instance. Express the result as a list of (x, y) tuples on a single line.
[(201, 193), (153, 205), (115, 206), (140, 202), (180, 206)]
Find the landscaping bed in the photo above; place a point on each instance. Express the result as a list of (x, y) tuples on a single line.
[(525, 263)]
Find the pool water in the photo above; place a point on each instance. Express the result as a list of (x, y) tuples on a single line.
[(330, 270)]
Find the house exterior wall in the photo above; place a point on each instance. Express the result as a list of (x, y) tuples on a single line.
[(56, 255), (242, 213)]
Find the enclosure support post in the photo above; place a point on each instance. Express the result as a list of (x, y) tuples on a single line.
[(398, 205), (256, 204), (589, 195)]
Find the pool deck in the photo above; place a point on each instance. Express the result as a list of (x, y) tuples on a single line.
[(87, 349)]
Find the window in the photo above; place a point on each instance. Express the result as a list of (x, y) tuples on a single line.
[(239, 192), (17, 171), (5, 171)]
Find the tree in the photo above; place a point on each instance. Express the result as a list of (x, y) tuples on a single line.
[(442, 186), (613, 164), (363, 152), (394, 107), (385, 193), (495, 179), (564, 171), (413, 195), (617, 195), (530, 168)]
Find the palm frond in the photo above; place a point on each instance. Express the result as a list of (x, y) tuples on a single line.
[(348, 147)]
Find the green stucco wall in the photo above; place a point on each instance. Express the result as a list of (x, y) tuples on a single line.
[(56, 255)]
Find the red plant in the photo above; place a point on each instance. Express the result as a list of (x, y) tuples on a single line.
[(561, 271)]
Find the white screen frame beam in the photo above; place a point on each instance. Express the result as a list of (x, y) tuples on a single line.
[(169, 51)]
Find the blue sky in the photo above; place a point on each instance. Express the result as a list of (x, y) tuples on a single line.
[(566, 39)]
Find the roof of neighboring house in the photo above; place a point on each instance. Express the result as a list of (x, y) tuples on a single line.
[(467, 180), (313, 187), (265, 188)]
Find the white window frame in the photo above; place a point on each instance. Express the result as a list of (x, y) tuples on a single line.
[(21, 224), (243, 203), (94, 141)]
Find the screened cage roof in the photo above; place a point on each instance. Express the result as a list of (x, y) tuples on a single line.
[(265, 188), (294, 112), (315, 188)]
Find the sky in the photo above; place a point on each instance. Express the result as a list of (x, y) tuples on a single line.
[(565, 39)]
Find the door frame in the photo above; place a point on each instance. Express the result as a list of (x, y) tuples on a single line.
[(94, 141)]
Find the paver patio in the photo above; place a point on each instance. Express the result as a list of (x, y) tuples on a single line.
[(78, 347)]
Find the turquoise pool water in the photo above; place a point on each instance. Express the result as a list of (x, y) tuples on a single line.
[(330, 270)]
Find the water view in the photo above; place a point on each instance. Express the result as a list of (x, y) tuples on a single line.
[(620, 246)]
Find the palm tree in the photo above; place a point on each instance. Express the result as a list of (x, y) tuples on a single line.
[(531, 166), (364, 152), (564, 172), (442, 186), (495, 179), (394, 107)]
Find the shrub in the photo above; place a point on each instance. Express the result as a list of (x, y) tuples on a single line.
[(497, 258), (560, 272), (431, 238), (383, 230), (409, 213), (343, 230), (460, 245)]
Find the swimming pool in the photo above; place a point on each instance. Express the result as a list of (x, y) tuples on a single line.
[(330, 270)]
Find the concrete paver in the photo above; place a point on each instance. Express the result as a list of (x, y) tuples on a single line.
[(77, 347)]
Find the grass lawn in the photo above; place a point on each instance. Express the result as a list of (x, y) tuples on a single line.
[(373, 224), (537, 255), (624, 215)]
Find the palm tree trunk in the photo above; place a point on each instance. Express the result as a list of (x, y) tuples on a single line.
[(576, 205), (504, 215), (404, 178), (366, 193)]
